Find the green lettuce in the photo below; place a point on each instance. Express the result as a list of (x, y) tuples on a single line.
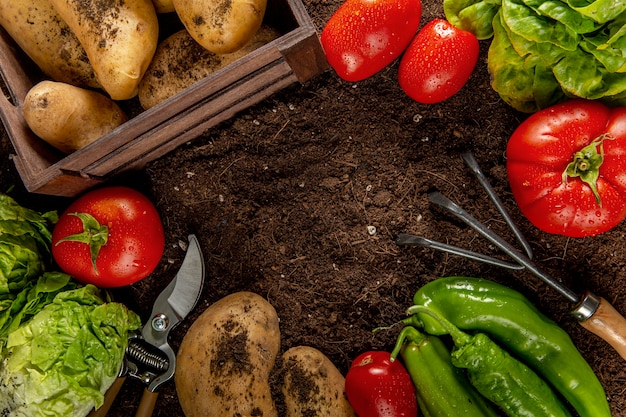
[(62, 360), (546, 51), (25, 237)]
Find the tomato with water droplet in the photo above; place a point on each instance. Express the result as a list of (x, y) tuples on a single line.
[(363, 37), (109, 237), (379, 387), (566, 167), (438, 62)]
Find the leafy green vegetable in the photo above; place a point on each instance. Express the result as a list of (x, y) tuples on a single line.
[(62, 361), (547, 51), (25, 237)]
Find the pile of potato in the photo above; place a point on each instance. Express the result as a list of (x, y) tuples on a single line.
[(227, 357), (98, 52)]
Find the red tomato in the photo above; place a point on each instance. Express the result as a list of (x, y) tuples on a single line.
[(122, 229), (566, 166), (364, 36), (378, 387), (438, 62)]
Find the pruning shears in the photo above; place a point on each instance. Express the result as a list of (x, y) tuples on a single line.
[(149, 357)]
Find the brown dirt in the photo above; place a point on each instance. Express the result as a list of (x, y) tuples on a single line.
[(283, 197)]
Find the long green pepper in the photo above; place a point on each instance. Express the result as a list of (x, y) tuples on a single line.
[(480, 305), (442, 389), (498, 376)]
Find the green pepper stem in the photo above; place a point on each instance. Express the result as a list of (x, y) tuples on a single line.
[(407, 335), (94, 234), (586, 165), (459, 337)]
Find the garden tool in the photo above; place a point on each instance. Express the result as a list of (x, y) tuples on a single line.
[(593, 312), (149, 357)]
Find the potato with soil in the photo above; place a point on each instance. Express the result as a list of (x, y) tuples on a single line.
[(180, 62), (44, 36), (119, 36), (312, 386), (221, 26), (69, 117), (225, 358)]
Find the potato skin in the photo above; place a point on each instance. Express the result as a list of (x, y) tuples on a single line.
[(180, 62), (312, 386), (225, 358), (163, 6), (69, 117), (44, 36), (119, 36), (221, 26)]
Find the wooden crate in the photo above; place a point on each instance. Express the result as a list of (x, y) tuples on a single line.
[(296, 56)]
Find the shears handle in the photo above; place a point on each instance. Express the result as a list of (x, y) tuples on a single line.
[(605, 321), (109, 398), (147, 403)]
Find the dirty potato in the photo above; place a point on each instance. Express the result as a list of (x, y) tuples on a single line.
[(221, 26), (312, 386), (43, 35), (120, 38), (69, 117), (180, 62), (225, 358)]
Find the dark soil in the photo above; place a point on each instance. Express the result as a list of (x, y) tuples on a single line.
[(299, 199)]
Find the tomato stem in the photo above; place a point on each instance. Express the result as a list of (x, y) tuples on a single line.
[(586, 165), (94, 234)]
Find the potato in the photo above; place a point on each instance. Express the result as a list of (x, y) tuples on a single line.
[(69, 117), (225, 358), (40, 32), (180, 61), (221, 26), (120, 38), (163, 6), (312, 386)]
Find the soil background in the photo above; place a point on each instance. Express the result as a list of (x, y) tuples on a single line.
[(285, 195)]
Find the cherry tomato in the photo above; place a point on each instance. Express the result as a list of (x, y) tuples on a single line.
[(378, 387), (364, 36), (566, 166), (438, 62), (109, 237)]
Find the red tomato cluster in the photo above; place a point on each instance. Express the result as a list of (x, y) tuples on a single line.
[(364, 36), (565, 166), (109, 237)]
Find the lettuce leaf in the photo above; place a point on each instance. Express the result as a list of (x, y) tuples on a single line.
[(62, 360), (545, 51)]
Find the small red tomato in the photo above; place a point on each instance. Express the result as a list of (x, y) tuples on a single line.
[(565, 166), (438, 63), (378, 387), (364, 36), (109, 237)]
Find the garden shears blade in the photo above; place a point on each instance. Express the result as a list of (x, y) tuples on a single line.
[(171, 306)]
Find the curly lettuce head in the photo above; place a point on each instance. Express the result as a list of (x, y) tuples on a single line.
[(62, 360)]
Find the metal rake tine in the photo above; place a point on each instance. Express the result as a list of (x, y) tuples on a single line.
[(444, 202), (471, 162), (405, 239)]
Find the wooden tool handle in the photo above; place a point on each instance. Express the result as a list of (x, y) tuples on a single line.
[(609, 324), (148, 401), (109, 398)]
